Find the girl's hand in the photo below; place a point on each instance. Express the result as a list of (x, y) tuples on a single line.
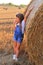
[(27, 14)]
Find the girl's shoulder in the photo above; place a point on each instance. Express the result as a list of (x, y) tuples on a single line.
[(23, 22)]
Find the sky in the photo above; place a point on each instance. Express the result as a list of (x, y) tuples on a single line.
[(16, 2)]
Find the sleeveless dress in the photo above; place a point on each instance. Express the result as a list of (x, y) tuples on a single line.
[(19, 33)]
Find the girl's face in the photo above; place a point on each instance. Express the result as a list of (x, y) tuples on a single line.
[(17, 20)]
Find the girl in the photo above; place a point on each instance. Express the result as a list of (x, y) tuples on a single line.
[(20, 22)]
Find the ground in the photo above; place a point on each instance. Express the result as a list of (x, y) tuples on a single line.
[(6, 59)]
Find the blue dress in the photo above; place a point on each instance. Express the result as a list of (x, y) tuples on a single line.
[(18, 34)]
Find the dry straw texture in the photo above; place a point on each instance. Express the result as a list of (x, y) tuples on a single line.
[(34, 32)]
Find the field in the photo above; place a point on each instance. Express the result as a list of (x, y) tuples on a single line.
[(7, 16), (31, 50)]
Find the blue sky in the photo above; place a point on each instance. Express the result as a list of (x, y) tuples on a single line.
[(17, 2)]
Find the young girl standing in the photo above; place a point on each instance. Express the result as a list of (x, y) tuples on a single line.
[(20, 23)]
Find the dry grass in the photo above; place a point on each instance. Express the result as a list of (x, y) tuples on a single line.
[(9, 12), (6, 25)]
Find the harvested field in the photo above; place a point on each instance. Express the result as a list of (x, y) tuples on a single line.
[(32, 48)]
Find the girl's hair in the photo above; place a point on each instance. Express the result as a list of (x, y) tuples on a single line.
[(20, 16)]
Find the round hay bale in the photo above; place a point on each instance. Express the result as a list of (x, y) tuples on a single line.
[(34, 33)]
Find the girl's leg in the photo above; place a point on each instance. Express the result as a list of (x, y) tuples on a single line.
[(18, 49), (14, 46)]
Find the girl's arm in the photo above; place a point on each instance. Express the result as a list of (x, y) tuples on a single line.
[(27, 14)]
